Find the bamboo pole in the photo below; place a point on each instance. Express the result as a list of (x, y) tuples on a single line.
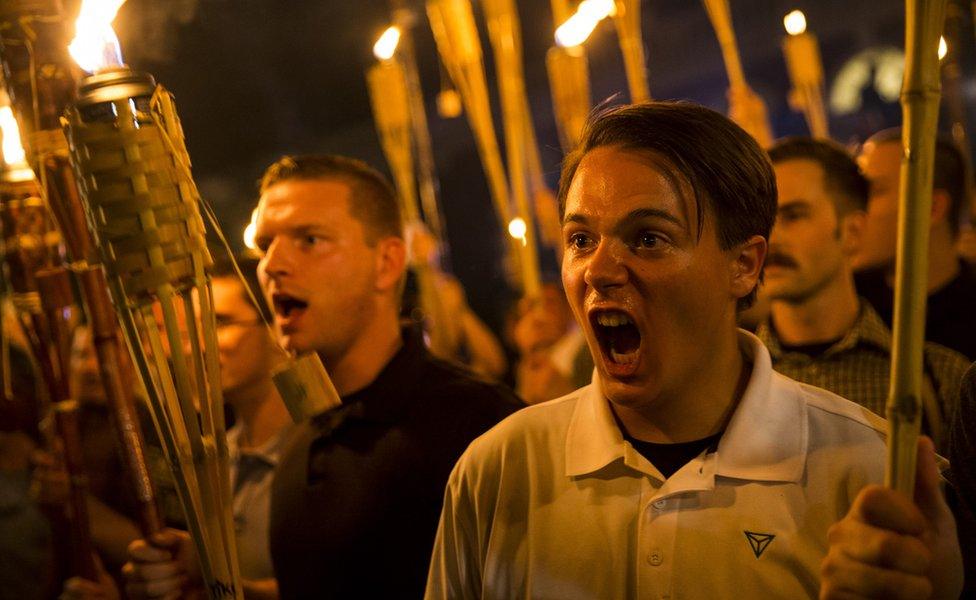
[(41, 83), (627, 20), (920, 107), (144, 211), (389, 96), (569, 83), (522, 154), (460, 49), (747, 108)]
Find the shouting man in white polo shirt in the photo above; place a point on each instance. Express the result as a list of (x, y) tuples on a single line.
[(688, 468)]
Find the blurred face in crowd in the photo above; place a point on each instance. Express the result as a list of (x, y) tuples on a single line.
[(881, 164), (244, 347), (542, 320), (320, 272), (653, 297), (85, 380), (809, 243)]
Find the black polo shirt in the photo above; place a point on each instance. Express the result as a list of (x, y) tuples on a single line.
[(950, 318), (357, 494)]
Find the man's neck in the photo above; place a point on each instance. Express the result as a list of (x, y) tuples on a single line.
[(262, 416), (943, 262), (703, 408), (824, 317), (367, 357)]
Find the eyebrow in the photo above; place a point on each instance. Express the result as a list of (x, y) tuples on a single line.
[(639, 213), (794, 203)]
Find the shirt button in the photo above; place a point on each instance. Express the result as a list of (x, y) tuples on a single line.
[(660, 504), (655, 558)]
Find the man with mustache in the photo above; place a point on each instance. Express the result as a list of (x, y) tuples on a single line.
[(688, 467), (819, 331)]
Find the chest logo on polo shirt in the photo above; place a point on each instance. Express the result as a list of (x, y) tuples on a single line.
[(758, 541)]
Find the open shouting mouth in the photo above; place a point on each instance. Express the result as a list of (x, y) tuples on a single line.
[(619, 340), (288, 308)]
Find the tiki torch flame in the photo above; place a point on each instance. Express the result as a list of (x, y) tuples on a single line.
[(795, 22), (943, 47), (385, 47), (13, 150), (579, 26), (96, 46)]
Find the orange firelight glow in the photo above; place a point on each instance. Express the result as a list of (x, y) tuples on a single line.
[(96, 46)]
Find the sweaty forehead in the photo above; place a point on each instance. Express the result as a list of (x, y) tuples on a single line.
[(308, 201), (612, 181)]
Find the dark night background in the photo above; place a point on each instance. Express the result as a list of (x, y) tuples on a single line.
[(255, 79)]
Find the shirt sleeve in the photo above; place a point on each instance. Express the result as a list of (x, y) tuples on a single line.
[(456, 563)]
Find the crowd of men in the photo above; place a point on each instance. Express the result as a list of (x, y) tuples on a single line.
[(655, 448)]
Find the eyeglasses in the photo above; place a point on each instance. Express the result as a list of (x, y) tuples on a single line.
[(224, 323)]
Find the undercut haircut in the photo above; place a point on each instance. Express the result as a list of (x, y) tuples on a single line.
[(950, 172), (248, 263), (843, 180), (373, 202), (729, 175)]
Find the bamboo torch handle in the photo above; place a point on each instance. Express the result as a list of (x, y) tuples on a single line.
[(920, 107), (718, 13), (628, 22), (83, 550)]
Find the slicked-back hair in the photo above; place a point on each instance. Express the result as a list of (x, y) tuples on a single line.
[(843, 180), (248, 263), (373, 201), (729, 174), (950, 172)]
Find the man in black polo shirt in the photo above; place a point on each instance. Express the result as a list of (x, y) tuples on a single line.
[(357, 493), (356, 498), (950, 318)]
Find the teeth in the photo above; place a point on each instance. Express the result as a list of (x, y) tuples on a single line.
[(613, 319), (623, 359)]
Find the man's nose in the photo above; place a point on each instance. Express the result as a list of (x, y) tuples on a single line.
[(277, 260), (606, 266)]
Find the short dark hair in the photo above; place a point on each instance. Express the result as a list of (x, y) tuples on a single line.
[(248, 263), (724, 166), (374, 201), (842, 177), (950, 173)]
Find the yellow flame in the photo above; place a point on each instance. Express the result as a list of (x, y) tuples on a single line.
[(517, 228), (250, 232), (943, 47), (95, 45), (386, 46), (13, 150), (578, 27), (795, 22)]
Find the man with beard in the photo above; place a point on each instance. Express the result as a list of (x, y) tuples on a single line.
[(819, 331), (688, 468)]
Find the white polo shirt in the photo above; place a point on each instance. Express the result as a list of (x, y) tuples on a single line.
[(554, 503)]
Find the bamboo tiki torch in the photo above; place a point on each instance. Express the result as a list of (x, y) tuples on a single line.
[(569, 83), (506, 41), (389, 96), (460, 49), (428, 184), (143, 210), (920, 115), (42, 296), (627, 20), (802, 53), (748, 109), (41, 82)]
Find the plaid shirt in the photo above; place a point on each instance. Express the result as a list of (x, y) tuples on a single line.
[(859, 365)]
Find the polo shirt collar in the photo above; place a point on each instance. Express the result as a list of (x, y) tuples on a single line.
[(766, 439)]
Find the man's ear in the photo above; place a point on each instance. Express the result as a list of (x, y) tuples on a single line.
[(941, 205), (747, 263), (391, 262), (852, 231)]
